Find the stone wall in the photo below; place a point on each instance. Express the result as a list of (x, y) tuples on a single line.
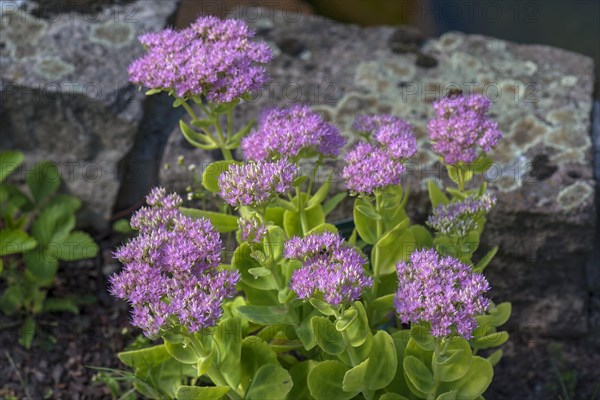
[(66, 96)]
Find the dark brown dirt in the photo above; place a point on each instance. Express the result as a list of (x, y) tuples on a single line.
[(66, 346)]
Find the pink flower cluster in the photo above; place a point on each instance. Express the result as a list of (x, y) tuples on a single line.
[(291, 133), (170, 276), (440, 291), (461, 128), (330, 268), (256, 183), (378, 164), (212, 58)]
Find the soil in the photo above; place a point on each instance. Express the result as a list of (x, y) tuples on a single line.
[(67, 347)]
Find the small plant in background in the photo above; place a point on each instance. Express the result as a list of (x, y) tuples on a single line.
[(37, 232), (395, 311)]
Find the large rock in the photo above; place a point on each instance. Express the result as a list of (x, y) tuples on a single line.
[(545, 218), (65, 91)]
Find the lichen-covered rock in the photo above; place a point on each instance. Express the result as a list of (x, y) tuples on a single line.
[(65, 92), (542, 98)]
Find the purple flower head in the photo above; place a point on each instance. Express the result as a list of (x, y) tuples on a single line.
[(378, 164), (330, 268), (460, 217), (461, 128), (213, 58), (251, 230), (290, 133), (398, 139), (369, 167), (391, 133), (170, 274), (440, 291), (368, 124), (256, 183)]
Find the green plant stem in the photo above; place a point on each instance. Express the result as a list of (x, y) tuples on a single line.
[(217, 124), (230, 122), (379, 222), (379, 225), (206, 110), (313, 176), (302, 212), (189, 110), (354, 359), (440, 349), (222, 143), (272, 266), (461, 179)]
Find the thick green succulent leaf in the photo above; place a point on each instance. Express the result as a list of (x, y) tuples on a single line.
[(418, 375), (201, 392), (475, 382), (320, 194), (72, 203), (291, 219), (270, 382), (365, 221), (346, 319), (325, 381), (501, 313), (492, 340), (212, 172), (327, 336), (222, 222), (495, 357), (228, 339), (196, 139), (485, 260), (358, 330), (398, 384), (144, 358), (421, 335), (436, 196), (183, 351), (423, 238), (394, 246), (333, 202), (355, 378), (455, 362), (255, 353), (244, 262), (382, 371), (266, 315), (299, 373), (392, 396)]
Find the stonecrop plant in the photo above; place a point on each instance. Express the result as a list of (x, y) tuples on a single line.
[(397, 310)]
